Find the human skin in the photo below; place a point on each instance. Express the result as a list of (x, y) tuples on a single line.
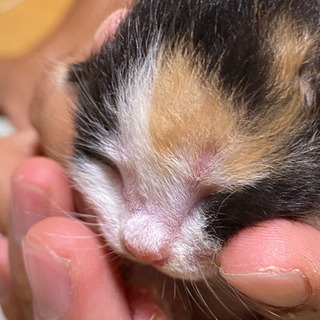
[(276, 257), (70, 275)]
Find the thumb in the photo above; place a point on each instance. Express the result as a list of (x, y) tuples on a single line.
[(277, 264), (71, 278)]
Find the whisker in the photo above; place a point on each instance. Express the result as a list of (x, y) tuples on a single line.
[(187, 295), (163, 289), (181, 298), (216, 296), (202, 299), (195, 300)]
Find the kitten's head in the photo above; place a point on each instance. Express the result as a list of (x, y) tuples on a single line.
[(199, 118)]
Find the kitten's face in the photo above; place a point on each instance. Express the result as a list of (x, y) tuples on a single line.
[(194, 126), (151, 176)]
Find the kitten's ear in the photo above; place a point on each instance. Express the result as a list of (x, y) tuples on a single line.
[(78, 73), (311, 91), (108, 28)]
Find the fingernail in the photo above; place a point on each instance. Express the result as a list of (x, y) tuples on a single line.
[(29, 205), (273, 286), (49, 276)]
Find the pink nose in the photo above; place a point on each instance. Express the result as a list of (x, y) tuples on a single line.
[(145, 254), (147, 239)]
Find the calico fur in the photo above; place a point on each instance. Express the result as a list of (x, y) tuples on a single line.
[(199, 119), (244, 73)]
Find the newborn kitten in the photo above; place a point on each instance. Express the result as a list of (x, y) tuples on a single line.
[(197, 120)]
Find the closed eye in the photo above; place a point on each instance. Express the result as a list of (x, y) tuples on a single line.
[(97, 156), (105, 161)]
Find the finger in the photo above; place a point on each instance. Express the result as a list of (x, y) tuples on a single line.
[(40, 189), (277, 263), (64, 257), (15, 149), (47, 177), (7, 294)]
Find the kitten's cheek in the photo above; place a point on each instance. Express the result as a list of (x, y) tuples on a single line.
[(51, 114)]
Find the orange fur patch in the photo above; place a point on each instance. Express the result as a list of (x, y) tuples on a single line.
[(185, 113), (190, 115)]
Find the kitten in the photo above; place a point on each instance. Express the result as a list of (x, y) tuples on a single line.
[(197, 120)]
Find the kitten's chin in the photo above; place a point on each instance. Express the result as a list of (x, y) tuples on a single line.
[(189, 272)]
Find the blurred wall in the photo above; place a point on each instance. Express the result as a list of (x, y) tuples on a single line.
[(24, 23)]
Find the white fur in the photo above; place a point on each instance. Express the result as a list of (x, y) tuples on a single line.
[(149, 210)]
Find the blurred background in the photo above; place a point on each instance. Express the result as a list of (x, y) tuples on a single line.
[(24, 24)]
